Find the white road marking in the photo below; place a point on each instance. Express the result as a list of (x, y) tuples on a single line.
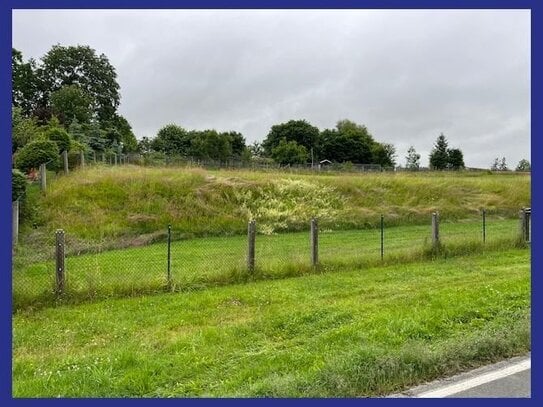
[(477, 381)]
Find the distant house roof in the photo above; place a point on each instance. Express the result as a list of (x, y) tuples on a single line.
[(325, 162)]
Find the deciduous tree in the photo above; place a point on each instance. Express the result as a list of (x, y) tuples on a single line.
[(71, 103), (23, 129), (503, 165), (81, 66), (523, 165), (289, 152), (300, 131), (384, 154), (412, 160), (24, 85)]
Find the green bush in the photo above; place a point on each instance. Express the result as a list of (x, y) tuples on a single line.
[(18, 184), (60, 137), (35, 153), (289, 153)]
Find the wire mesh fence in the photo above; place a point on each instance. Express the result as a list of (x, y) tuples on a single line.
[(74, 159), (94, 269)]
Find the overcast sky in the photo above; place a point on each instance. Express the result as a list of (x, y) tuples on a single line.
[(406, 75)]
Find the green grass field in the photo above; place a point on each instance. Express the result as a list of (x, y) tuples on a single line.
[(130, 205), (362, 332), (203, 262), (356, 325)]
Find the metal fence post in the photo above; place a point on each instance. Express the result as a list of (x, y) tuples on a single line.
[(65, 161), (169, 272), (60, 272), (521, 225), (15, 222), (43, 177), (251, 238), (528, 214), (525, 226), (484, 225), (314, 236), (382, 237), (435, 229)]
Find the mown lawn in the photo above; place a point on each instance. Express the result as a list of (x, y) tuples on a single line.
[(203, 262), (363, 332)]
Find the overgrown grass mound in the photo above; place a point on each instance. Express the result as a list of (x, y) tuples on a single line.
[(137, 203)]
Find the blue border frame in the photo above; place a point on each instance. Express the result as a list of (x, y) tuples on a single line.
[(5, 166)]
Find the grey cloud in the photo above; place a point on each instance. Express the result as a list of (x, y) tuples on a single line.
[(406, 75)]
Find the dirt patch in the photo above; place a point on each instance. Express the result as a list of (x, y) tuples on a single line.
[(139, 218)]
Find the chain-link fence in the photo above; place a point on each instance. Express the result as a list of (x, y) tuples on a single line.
[(83, 270), (69, 161)]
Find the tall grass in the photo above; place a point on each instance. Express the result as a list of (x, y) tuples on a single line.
[(132, 205)]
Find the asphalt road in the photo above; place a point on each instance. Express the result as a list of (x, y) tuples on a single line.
[(507, 379), (515, 385)]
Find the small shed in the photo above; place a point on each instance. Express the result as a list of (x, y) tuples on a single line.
[(324, 163)]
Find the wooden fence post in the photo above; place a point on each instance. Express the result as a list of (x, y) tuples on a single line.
[(251, 238), (82, 158), (43, 177), (115, 159), (65, 160), (435, 229), (314, 237), (94, 156), (103, 158), (15, 222), (60, 272)]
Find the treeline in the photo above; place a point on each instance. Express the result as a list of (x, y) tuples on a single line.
[(297, 141), (205, 145), (293, 142), (501, 165), (66, 101)]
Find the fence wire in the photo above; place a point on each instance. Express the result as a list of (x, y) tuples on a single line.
[(95, 269)]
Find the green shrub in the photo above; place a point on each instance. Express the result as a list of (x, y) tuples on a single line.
[(18, 184), (60, 137), (289, 153), (35, 153)]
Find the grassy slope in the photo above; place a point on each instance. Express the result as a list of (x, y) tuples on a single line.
[(132, 205), (358, 333)]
